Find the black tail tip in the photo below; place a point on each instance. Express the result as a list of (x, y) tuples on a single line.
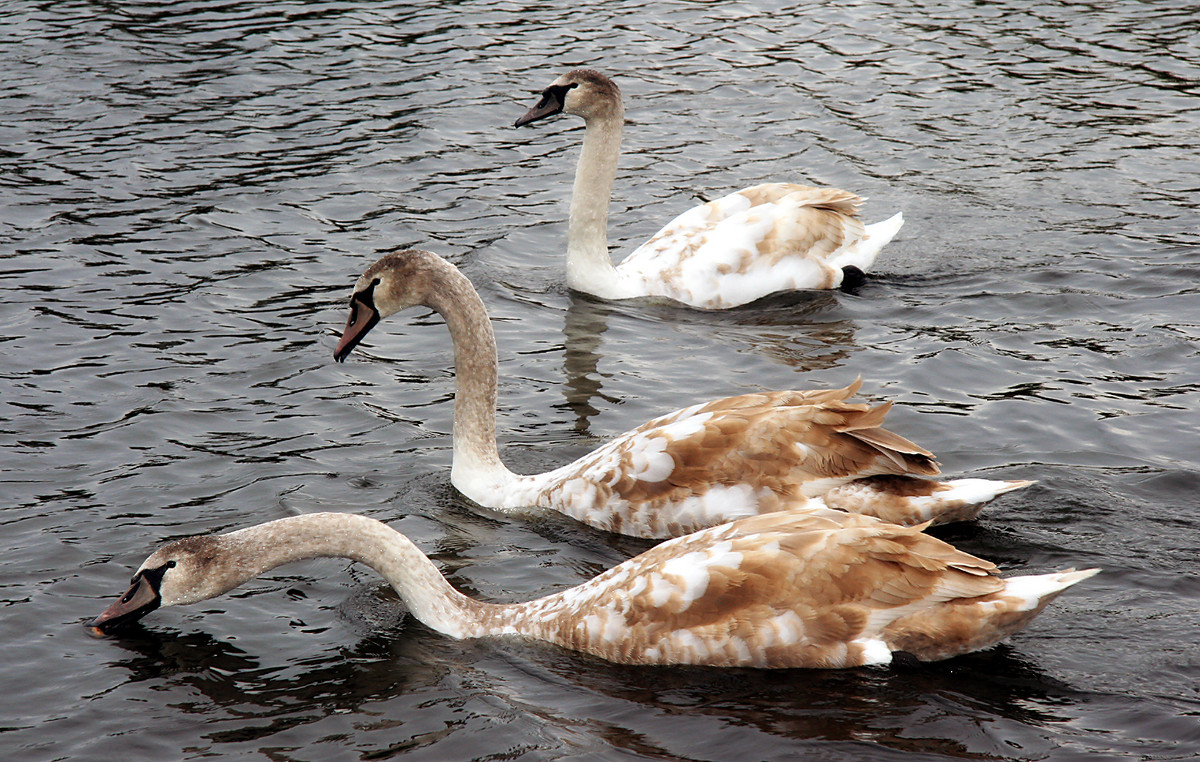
[(905, 660), (852, 277)]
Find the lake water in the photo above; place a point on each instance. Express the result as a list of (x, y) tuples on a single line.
[(189, 189)]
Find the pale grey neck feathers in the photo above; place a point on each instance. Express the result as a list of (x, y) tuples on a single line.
[(242, 555), (420, 277), (589, 265)]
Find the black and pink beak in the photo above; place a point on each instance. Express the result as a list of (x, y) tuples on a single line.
[(553, 99), (140, 599), (363, 317)]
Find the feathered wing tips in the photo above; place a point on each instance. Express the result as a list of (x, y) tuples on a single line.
[(911, 500), (943, 632), (907, 456)]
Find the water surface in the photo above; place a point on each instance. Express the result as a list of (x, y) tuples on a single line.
[(189, 190)]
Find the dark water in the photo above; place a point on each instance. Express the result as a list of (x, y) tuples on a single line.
[(188, 190)]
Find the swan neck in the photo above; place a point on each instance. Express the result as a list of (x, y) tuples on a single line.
[(250, 552), (476, 464), (589, 265)]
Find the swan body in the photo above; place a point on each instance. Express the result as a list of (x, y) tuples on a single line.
[(725, 253), (818, 589), (696, 467)]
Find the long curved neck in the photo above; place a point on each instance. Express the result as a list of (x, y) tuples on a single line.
[(589, 266), (247, 553), (477, 469)]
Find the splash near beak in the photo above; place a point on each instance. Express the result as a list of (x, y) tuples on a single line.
[(550, 104), (363, 317), (139, 600)]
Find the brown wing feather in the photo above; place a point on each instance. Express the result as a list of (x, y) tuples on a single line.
[(780, 441), (827, 571)]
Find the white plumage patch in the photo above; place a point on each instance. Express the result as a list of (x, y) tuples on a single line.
[(784, 629), (649, 459), (687, 423), (972, 491), (1032, 589), (716, 505), (875, 651), (693, 569)]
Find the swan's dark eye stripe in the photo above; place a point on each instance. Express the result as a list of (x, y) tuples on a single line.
[(555, 93), (154, 576), (366, 297), (559, 92)]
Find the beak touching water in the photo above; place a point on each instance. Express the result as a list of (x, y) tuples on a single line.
[(139, 600)]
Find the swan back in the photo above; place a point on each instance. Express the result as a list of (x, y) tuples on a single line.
[(815, 589), (722, 460)]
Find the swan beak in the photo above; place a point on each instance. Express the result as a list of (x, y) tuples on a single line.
[(363, 317), (139, 600), (550, 104)]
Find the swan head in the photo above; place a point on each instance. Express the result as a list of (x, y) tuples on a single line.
[(181, 572), (583, 92), (397, 281)]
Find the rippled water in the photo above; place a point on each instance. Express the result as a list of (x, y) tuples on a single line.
[(189, 190)]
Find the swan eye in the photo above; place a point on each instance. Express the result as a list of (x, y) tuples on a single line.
[(171, 564)]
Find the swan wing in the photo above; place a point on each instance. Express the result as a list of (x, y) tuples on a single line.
[(782, 589), (729, 458), (752, 243)]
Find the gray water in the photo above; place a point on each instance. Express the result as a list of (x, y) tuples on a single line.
[(189, 189)]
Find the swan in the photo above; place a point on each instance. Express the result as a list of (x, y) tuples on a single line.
[(725, 253), (693, 468), (818, 589)]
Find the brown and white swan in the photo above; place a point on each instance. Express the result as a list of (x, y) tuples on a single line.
[(696, 467), (818, 589), (725, 253)]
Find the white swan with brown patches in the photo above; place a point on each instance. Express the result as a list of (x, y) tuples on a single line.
[(725, 253), (818, 589), (693, 468)]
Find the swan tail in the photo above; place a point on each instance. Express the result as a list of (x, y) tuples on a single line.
[(963, 626), (862, 253), (908, 500)]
